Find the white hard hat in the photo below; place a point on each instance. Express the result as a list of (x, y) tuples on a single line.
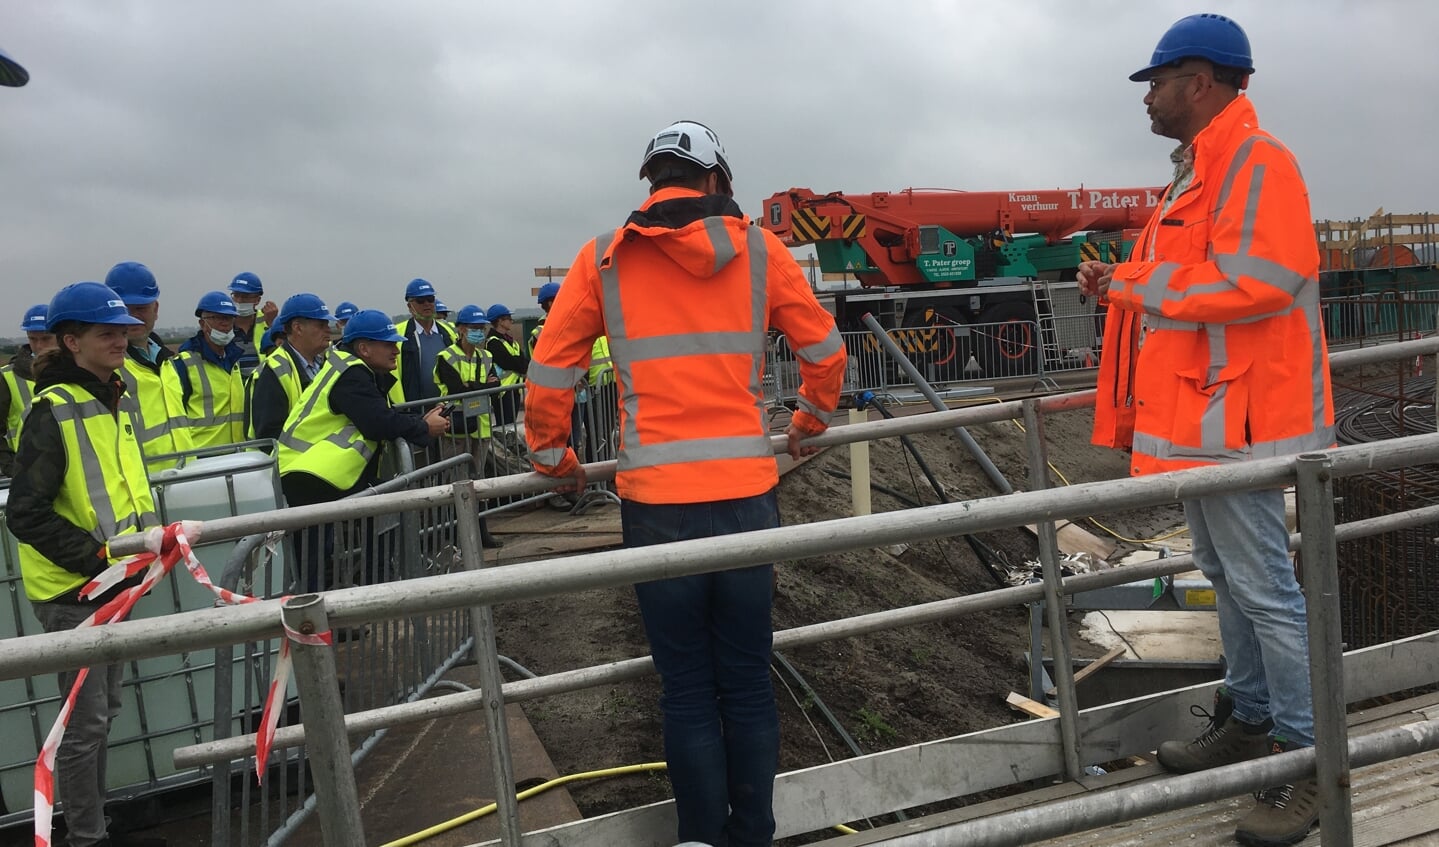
[(689, 140)]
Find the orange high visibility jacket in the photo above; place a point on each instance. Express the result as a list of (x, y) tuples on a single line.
[(687, 291), (1214, 348)]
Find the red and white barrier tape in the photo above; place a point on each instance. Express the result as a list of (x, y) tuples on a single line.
[(167, 547)]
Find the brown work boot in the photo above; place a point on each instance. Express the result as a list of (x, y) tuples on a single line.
[(1284, 814), (1226, 741)]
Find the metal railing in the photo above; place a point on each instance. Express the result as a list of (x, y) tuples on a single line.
[(326, 725)]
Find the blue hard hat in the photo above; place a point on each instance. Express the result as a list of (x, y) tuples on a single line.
[(440, 306), (34, 320), (90, 303), (1205, 36), (472, 316), (345, 310), (497, 311), (246, 283), (303, 306), (548, 291), (267, 340), (134, 283), (419, 288), (217, 302), (11, 72), (372, 324)]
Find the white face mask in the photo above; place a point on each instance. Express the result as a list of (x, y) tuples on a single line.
[(245, 309), (221, 339)]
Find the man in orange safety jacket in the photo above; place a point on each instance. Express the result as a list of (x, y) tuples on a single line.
[(686, 290), (1214, 352)]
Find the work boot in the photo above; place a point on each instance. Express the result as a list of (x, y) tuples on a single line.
[(487, 540), (1226, 741), (1285, 813)]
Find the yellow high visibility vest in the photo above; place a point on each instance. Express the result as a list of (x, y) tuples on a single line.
[(319, 442), (473, 369), (104, 491), (160, 424), (215, 410), (602, 369), (283, 364), (509, 377), (21, 390)]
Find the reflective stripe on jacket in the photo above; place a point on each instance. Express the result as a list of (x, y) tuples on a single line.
[(473, 369), (159, 415), (319, 442), (1214, 347), (215, 408), (104, 491), (687, 309), (20, 390)]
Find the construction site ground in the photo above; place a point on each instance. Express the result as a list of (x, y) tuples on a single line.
[(888, 689)]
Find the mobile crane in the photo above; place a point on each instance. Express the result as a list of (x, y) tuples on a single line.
[(975, 280)]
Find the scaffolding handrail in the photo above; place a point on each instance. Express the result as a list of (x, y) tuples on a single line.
[(207, 628)]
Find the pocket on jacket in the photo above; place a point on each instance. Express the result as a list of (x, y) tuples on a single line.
[(1210, 415)]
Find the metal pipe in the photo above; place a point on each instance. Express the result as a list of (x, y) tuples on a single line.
[(324, 719), (1054, 599), (927, 390), (482, 623), (209, 628), (1319, 558), (1133, 801), (359, 723)]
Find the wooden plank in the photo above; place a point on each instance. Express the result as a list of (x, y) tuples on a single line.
[(1098, 664), (1034, 708), (1074, 539)]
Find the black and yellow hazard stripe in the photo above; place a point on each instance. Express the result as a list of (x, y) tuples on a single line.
[(853, 227), (808, 225), (1103, 251)]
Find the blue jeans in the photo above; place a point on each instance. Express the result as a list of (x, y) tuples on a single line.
[(1241, 544), (710, 635)]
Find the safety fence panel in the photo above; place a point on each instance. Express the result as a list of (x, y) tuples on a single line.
[(377, 664), (1379, 317), (1074, 342), (167, 701), (962, 353)]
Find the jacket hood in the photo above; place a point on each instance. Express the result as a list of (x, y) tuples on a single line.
[(701, 233), (61, 371), (23, 362)]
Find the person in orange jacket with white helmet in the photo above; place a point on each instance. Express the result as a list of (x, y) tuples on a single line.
[(687, 290)]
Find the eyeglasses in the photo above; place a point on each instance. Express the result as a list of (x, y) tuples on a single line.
[(422, 299), (1156, 82)]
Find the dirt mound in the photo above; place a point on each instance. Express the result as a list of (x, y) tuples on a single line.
[(889, 689)]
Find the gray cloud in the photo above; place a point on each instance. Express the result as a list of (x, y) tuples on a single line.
[(345, 147)]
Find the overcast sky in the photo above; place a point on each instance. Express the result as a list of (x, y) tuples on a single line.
[(346, 147)]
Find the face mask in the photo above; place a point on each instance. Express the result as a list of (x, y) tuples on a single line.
[(475, 336), (221, 339), (245, 309)]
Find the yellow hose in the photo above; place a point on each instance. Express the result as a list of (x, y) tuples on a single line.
[(452, 823)]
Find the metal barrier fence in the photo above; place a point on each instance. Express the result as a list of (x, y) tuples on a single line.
[(377, 664), (945, 356), (594, 435), (325, 727), (1379, 317)]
